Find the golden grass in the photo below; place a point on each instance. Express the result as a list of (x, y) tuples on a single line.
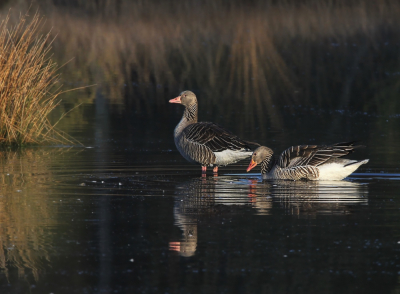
[(28, 79)]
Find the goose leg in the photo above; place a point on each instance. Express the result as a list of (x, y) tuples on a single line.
[(203, 171), (215, 170)]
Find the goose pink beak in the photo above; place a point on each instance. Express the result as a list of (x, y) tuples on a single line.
[(251, 165), (176, 100)]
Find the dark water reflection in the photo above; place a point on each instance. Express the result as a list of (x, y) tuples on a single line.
[(127, 213), (89, 220), (218, 198)]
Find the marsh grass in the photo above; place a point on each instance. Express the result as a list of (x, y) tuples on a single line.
[(259, 53), (29, 86), (235, 55), (171, 44)]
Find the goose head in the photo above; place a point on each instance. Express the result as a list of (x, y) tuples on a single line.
[(262, 155), (185, 98)]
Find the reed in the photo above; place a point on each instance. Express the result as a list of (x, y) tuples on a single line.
[(250, 56), (28, 83), (257, 55)]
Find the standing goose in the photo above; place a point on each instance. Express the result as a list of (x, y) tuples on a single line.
[(309, 162), (206, 143)]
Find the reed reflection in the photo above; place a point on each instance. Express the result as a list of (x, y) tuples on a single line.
[(204, 200), (25, 212)]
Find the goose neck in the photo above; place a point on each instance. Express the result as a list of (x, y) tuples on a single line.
[(189, 117), (268, 163), (190, 113)]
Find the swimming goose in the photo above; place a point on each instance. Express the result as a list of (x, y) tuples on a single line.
[(206, 143), (310, 162)]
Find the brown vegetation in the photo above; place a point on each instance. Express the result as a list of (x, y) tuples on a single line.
[(174, 44), (28, 91), (258, 54)]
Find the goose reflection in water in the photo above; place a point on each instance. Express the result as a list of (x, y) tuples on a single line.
[(306, 198), (209, 200)]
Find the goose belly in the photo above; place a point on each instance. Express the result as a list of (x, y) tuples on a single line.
[(336, 171), (231, 156)]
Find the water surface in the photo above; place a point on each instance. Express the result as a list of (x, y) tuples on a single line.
[(126, 213)]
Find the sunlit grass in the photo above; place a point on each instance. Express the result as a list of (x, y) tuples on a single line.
[(28, 83)]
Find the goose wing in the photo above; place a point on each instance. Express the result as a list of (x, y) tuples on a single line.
[(313, 155), (214, 137)]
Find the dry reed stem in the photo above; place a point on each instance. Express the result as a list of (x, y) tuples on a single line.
[(27, 83)]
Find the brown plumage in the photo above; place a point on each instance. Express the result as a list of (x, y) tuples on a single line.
[(206, 143), (311, 162)]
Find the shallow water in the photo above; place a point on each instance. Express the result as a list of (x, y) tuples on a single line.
[(130, 215)]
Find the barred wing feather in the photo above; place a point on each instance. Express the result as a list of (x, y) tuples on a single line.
[(214, 137), (314, 155)]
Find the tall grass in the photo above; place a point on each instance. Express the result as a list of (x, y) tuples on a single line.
[(247, 57), (259, 53), (199, 43), (28, 83), (240, 56)]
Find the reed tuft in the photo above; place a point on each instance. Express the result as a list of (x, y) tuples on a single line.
[(28, 83)]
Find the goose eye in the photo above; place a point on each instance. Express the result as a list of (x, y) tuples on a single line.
[(255, 154)]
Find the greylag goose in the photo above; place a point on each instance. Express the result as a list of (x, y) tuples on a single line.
[(206, 143), (310, 162)]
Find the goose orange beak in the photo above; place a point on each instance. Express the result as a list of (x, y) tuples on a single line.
[(251, 165), (176, 100)]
